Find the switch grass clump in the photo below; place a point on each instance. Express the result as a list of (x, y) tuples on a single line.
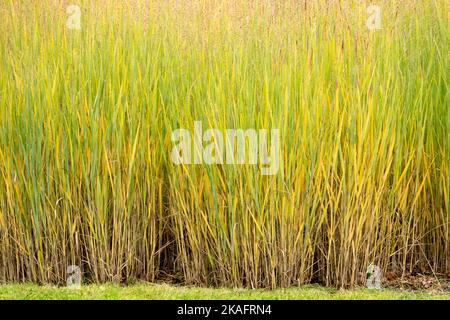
[(86, 116)]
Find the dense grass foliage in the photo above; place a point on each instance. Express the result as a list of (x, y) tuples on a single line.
[(86, 117)]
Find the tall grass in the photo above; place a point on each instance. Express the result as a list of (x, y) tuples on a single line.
[(86, 115)]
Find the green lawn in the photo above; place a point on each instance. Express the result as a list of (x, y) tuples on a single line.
[(163, 291)]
